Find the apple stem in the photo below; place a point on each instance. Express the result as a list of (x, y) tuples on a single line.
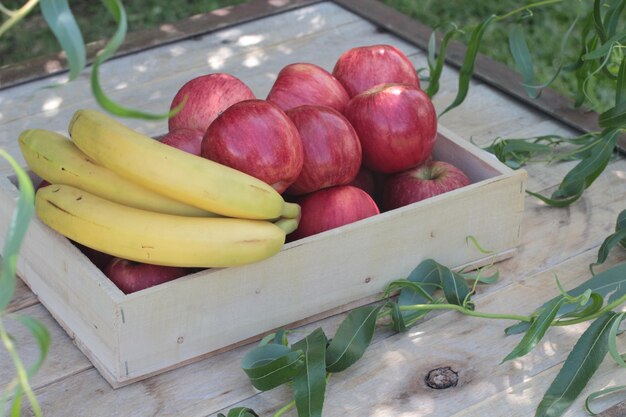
[(288, 225)]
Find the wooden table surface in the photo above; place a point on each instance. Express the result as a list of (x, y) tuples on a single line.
[(388, 380)]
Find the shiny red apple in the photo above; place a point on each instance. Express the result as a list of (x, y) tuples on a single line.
[(397, 126), (205, 97), (332, 207), (131, 276), (99, 259), (332, 151), (256, 137), (302, 83), (362, 68), (416, 184), (188, 140)]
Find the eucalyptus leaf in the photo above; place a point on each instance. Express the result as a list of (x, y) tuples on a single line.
[(611, 281), (597, 20), (579, 367), (467, 68), (271, 365), (455, 288), (587, 309), (116, 9), (17, 230), (309, 383), (613, 331), (426, 279), (436, 68), (239, 412), (608, 244), (523, 60), (351, 339), (536, 331), (606, 47), (61, 21), (611, 18)]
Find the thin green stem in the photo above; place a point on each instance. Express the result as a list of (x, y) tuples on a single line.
[(6, 10), (285, 409), (527, 7), (17, 15), (465, 311), (22, 375), (595, 315)]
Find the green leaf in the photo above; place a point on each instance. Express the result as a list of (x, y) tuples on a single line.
[(584, 173), (426, 279), (611, 281), (606, 247), (597, 20), (620, 87), (523, 60), (606, 47), (351, 339), (309, 383), (467, 68), (455, 288), (116, 9), (617, 357), (436, 68), (17, 231), (536, 331), (61, 21), (599, 394), (239, 412), (42, 336), (579, 367), (271, 365), (615, 117), (611, 18), (587, 309)]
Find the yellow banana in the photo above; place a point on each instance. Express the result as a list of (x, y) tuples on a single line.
[(157, 238), (57, 160), (177, 174)]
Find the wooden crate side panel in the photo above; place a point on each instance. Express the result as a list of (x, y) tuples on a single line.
[(217, 308), (63, 280)]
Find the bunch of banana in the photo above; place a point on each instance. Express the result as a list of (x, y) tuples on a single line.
[(126, 194)]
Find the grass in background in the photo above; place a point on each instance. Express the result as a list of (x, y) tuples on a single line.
[(544, 31)]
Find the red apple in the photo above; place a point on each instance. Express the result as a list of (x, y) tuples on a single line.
[(256, 137), (427, 180), (332, 207), (332, 151), (42, 184), (367, 181), (362, 68), (99, 259), (301, 83), (397, 126), (131, 276), (206, 97), (188, 140)]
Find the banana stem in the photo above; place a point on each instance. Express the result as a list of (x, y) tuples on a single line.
[(288, 225), (290, 211)]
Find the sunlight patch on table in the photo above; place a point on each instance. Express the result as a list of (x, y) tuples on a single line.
[(177, 51), (249, 40), (52, 103), (217, 59)]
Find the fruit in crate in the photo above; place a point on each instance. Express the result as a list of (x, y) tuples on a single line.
[(57, 160), (204, 98), (303, 83), (333, 207), (332, 151), (397, 126), (188, 140), (256, 137), (427, 180), (176, 174), (131, 276), (362, 68), (157, 238)]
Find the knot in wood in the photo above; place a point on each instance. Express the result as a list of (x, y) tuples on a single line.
[(442, 378)]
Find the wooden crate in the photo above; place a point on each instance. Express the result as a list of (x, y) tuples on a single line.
[(130, 337)]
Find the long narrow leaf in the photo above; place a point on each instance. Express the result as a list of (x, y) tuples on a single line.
[(61, 21), (351, 339), (606, 47), (436, 68), (467, 68), (597, 20), (608, 244), (42, 337), (617, 357), (537, 330), (119, 14), (599, 394), (17, 231), (309, 383), (523, 60), (579, 367), (426, 278), (239, 412), (455, 288), (271, 365)]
